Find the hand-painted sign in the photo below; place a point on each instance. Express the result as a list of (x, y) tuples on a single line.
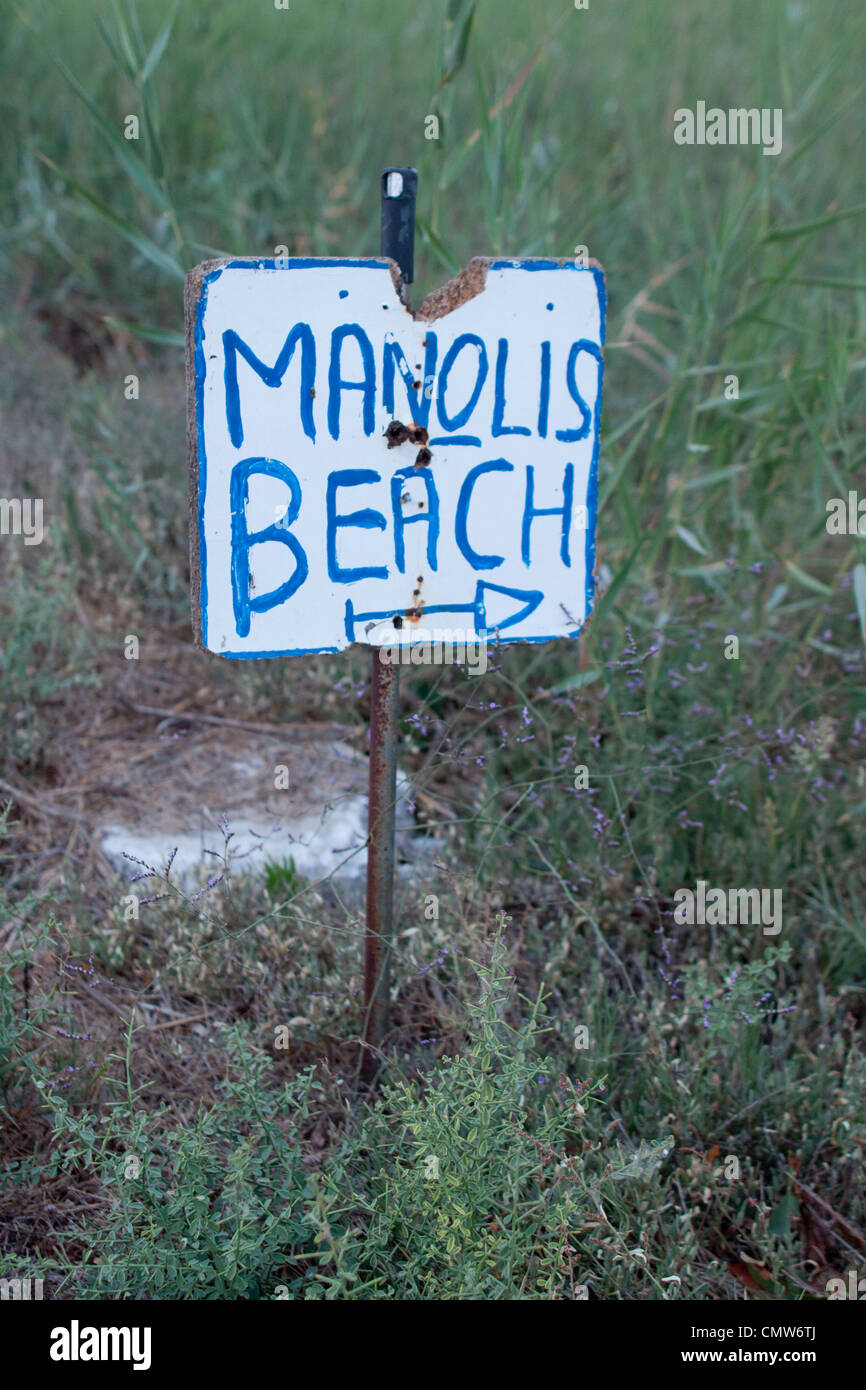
[(357, 468)]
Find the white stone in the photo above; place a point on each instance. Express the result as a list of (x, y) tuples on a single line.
[(319, 823)]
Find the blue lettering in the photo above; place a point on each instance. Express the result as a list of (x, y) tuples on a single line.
[(271, 376), (336, 384), (243, 541), (478, 562), (499, 395), (394, 357), (530, 512), (544, 397), (456, 422), (584, 345), (368, 520), (431, 516)]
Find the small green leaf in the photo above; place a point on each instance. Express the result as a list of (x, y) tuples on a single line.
[(690, 539), (782, 1216), (805, 228), (575, 682), (437, 245), (167, 337), (807, 580), (159, 46)]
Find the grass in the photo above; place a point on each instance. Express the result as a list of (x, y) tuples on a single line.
[(616, 1102)]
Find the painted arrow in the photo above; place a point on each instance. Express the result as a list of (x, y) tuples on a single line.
[(528, 598)]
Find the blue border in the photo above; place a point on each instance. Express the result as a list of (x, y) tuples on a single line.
[(305, 263), (378, 263), (200, 373), (592, 485)]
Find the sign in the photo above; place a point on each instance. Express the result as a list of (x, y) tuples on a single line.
[(362, 473)]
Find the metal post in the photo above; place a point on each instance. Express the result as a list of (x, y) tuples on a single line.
[(399, 188), (397, 240), (384, 719)]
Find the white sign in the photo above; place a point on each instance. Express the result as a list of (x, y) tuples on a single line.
[(361, 473)]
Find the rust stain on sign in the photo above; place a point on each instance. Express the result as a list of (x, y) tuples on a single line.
[(397, 433), (415, 613)]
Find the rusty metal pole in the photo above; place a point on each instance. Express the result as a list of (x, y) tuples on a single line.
[(384, 720), (399, 188)]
